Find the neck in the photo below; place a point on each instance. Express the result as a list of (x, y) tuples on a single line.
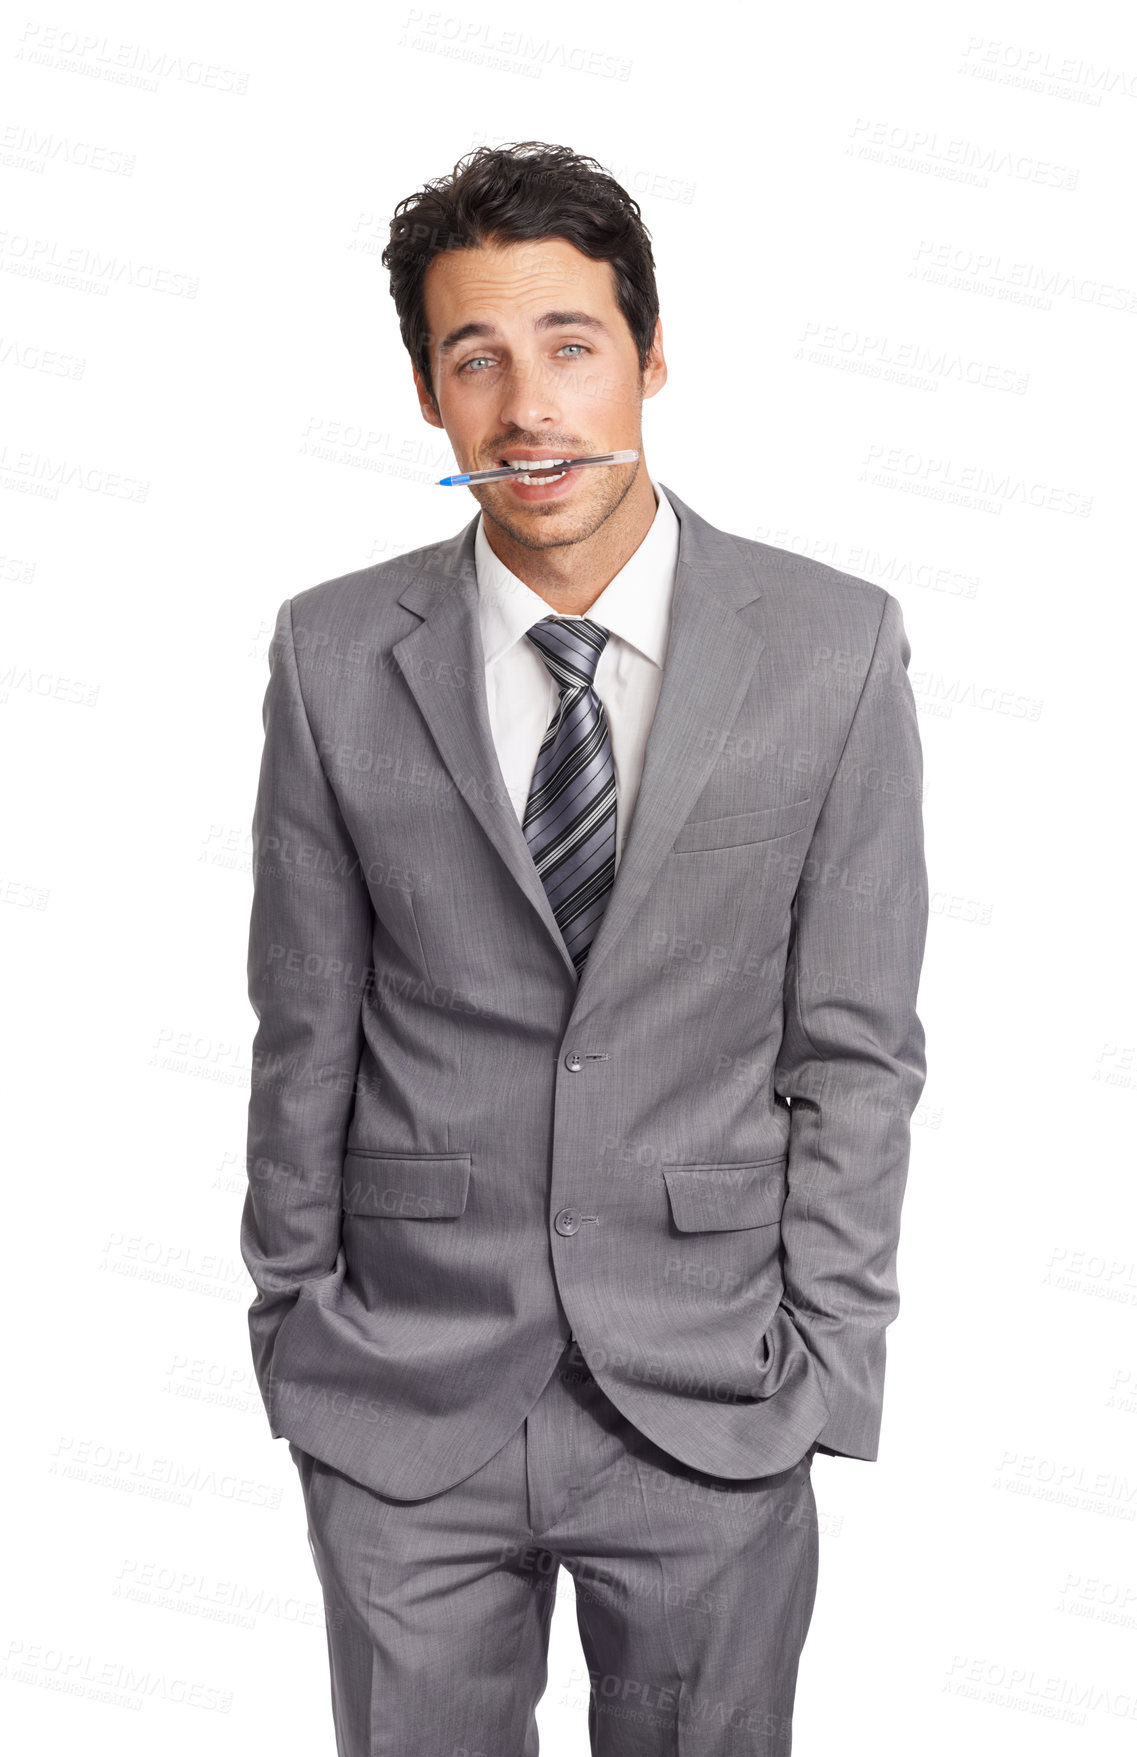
[(571, 576)]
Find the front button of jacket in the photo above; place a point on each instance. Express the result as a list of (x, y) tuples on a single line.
[(567, 1222), (573, 1062)]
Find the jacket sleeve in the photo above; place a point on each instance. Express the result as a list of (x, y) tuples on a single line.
[(309, 951), (852, 1059)]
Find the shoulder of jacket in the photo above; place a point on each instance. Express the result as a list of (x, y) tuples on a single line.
[(802, 588), (803, 576), (363, 598)]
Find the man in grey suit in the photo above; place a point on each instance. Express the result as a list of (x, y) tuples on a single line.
[(588, 918)]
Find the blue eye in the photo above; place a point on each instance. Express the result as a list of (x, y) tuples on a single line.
[(478, 358)]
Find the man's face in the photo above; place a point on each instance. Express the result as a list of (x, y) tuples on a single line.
[(531, 356)]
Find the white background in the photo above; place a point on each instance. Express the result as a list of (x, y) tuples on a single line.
[(899, 295)]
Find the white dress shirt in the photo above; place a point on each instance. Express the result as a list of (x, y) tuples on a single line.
[(522, 697)]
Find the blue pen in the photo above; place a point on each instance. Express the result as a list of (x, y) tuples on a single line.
[(608, 457)]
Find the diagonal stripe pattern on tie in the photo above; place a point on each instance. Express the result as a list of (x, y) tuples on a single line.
[(570, 817)]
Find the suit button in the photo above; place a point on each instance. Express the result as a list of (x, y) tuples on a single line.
[(573, 1062), (567, 1222)]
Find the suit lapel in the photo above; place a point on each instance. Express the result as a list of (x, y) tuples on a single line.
[(711, 655), (443, 663)]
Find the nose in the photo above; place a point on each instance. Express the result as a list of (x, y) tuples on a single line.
[(529, 398)]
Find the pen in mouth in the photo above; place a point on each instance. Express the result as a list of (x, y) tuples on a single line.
[(539, 466)]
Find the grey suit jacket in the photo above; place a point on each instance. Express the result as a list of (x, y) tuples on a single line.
[(695, 1157)]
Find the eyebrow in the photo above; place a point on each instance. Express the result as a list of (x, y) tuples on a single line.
[(549, 320)]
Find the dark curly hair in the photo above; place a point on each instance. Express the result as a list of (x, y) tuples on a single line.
[(511, 194)]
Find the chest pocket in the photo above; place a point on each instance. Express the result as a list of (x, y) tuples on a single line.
[(743, 828)]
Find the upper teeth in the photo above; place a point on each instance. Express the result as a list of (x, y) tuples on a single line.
[(535, 463)]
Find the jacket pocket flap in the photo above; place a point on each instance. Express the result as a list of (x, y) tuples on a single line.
[(726, 1198), (405, 1186), (743, 828)]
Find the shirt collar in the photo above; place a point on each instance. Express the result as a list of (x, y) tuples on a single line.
[(636, 604)]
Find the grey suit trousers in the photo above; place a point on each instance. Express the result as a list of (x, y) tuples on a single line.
[(694, 1593)]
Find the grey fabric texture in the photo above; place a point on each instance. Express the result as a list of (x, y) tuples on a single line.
[(693, 1594), (694, 1157)]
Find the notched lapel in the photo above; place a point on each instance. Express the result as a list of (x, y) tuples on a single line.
[(443, 663), (710, 660)]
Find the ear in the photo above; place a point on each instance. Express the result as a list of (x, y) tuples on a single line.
[(425, 400), (655, 372)]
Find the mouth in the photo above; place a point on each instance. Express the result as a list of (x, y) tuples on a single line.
[(536, 475)]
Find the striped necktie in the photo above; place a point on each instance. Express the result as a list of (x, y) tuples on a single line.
[(570, 817)]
